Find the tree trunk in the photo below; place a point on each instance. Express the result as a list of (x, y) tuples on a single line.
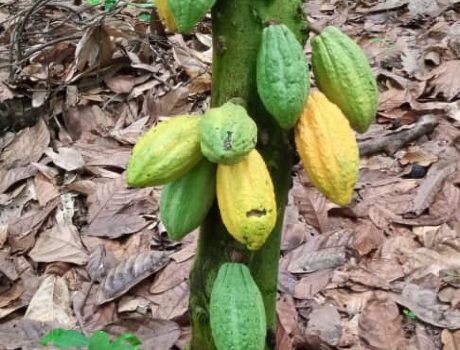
[(237, 28)]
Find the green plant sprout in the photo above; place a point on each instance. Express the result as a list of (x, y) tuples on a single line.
[(100, 340)]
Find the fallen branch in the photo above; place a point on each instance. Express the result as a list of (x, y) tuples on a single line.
[(393, 141)]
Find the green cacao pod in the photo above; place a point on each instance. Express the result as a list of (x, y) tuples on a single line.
[(185, 202), (182, 15), (247, 200), (282, 75), (343, 74), (237, 313), (165, 153), (327, 147), (227, 133)]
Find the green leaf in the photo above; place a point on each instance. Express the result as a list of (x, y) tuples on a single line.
[(409, 313), (93, 2), (144, 17), (63, 338), (109, 5), (126, 341), (100, 340)]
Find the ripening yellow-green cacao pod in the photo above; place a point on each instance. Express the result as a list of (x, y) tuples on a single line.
[(182, 15), (165, 153), (246, 200), (328, 149), (343, 74), (237, 313), (227, 133)]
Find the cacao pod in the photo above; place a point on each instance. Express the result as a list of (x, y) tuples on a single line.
[(182, 15), (247, 200), (237, 314), (185, 203), (328, 149), (343, 74), (227, 133), (165, 153), (282, 75)]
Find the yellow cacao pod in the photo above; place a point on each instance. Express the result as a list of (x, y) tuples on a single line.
[(327, 147), (247, 200)]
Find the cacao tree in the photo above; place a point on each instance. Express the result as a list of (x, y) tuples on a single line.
[(242, 150)]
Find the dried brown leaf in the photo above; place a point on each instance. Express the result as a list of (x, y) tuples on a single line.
[(317, 260), (86, 121), (294, 231), (445, 79), (312, 206), (22, 231), (172, 275), (104, 155), (289, 331), (172, 304), (324, 321), (11, 295), (450, 340), (424, 303), (3, 235), (422, 340), (51, 303), (174, 102), (69, 159), (309, 285), (27, 147), (61, 243), (367, 237), (380, 325), (129, 273), (92, 316), (106, 205), (44, 189), (431, 184), (94, 49), (23, 333), (121, 84), (10, 177)]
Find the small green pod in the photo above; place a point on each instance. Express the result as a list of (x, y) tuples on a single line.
[(227, 134), (165, 153), (237, 313), (282, 75), (185, 203)]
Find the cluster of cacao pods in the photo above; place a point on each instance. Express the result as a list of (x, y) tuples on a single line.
[(323, 120), (199, 158), (324, 139), (183, 154)]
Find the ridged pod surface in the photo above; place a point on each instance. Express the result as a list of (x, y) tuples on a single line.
[(282, 75), (182, 15), (246, 200), (237, 313), (343, 74), (227, 133), (328, 149), (165, 153), (185, 203)]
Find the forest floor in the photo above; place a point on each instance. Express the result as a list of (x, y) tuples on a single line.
[(79, 85)]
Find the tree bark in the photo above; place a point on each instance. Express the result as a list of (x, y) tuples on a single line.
[(237, 28)]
